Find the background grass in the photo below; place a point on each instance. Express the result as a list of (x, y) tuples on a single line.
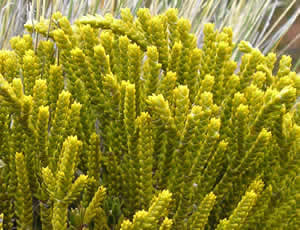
[(255, 21)]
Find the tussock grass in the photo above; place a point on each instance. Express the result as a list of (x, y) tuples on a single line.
[(250, 20)]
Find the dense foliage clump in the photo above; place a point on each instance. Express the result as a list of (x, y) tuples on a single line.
[(127, 124)]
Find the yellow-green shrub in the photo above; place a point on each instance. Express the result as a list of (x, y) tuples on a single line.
[(126, 123)]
